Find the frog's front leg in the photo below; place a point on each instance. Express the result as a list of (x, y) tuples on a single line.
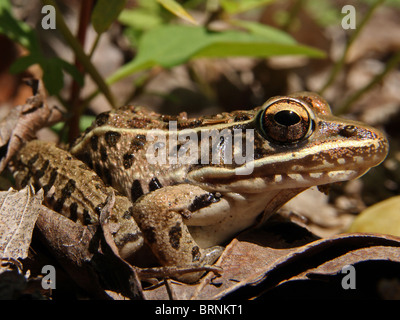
[(162, 216)]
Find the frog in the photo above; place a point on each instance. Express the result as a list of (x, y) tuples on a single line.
[(186, 186)]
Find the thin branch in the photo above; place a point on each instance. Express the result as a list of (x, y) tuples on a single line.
[(391, 64), (80, 54), (96, 41), (74, 98)]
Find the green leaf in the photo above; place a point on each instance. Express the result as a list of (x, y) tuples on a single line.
[(5, 5), (85, 122), (24, 62), (73, 71), (52, 75), (177, 9), (16, 30), (139, 19), (52, 70), (273, 34), (259, 50), (105, 13), (21, 33), (237, 6), (171, 45)]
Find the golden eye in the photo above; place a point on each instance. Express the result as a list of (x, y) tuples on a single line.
[(286, 120)]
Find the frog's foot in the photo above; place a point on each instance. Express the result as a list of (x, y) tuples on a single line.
[(210, 255), (160, 216), (184, 274)]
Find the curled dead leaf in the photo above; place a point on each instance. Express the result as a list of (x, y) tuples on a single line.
[(23, 121), (262, 260)]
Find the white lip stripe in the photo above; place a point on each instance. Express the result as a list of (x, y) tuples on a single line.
[(289, 156), (315, 175)]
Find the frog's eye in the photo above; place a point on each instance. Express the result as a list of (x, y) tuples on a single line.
[(286, 120)]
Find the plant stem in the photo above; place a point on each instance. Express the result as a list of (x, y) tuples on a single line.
[(74, 98), (293, 13), (391, 64), (96, 41), (339, 64), (80, 54)]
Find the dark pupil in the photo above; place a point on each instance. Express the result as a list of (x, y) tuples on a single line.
[(287, 118)]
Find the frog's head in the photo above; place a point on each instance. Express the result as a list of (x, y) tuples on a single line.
[(292, 142)]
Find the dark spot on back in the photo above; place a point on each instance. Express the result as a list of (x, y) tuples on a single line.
[(112, 138), (86, 158), (86, 217), (128, 160), (52, 180), (3, 150), (131, 237), (138, 143), (68, 189), (98, 169), (102, 118), (40, 173), (107, 176), (136, 190), (175, 235), (73, 211), (25, 180), (59, 205), (103, 154), (33, 160), (150, 234), (94, 142), (154, 184)]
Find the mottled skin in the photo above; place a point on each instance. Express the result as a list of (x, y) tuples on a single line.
[(73, 189), (185, 211)]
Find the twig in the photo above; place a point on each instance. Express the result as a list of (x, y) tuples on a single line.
[(74, 98), (80, 54), (392, 63)]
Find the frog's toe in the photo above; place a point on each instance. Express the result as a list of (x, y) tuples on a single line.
[(210, 255)]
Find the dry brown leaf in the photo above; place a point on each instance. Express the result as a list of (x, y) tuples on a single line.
[(264, 259), (23, 121), (85, 255), (18, 213)]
